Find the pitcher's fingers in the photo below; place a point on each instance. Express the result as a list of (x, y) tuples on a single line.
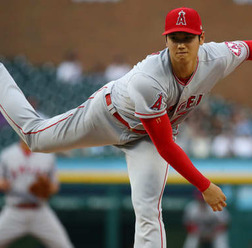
[(214, 208), (224, 204), (219, 207)]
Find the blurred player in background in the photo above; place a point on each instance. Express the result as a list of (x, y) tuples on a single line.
[(140, 114), (70, 71), (118, 68), (205, 228), (28, 180)]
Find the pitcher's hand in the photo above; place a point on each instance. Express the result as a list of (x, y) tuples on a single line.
[(214, 197)]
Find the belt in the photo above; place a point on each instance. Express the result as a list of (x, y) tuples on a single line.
[(28, 205), (119, 118)]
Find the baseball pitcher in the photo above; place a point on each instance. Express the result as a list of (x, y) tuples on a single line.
[(140, 114)]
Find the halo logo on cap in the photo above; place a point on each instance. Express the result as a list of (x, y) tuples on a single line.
[(181, 18)]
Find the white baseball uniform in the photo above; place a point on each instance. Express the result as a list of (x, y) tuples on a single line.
[(25, 213), (209, 225), (111, 117)]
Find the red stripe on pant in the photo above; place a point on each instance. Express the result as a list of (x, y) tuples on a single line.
[(159, 203)]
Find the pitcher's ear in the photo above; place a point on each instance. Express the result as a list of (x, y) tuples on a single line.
[(202, 38)]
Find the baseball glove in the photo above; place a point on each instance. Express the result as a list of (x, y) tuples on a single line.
[(41, 187)]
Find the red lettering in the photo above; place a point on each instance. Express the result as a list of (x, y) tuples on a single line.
[(190, 101), (181, 106), (199, 99)]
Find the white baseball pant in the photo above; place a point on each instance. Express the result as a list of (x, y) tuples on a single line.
[(40, 223)]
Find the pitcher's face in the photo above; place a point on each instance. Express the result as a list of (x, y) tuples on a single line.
[(183, 47)]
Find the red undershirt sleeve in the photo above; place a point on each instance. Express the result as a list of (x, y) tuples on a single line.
[(160, 132), (249, 43)]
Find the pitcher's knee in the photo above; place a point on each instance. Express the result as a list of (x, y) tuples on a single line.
[(147, 217)]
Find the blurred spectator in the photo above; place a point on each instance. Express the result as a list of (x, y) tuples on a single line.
[(242, 124), (205, 228), (242, 146), (70, 70), (97, 74), (200, 145), (98, 69), (222, 145), (117, 69)]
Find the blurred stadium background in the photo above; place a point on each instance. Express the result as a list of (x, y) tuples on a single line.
[(94, 200)]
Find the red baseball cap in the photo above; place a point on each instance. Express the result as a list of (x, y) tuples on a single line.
[(183, 20)]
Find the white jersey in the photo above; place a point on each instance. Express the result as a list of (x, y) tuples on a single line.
[(151, 89), (204, 218), (209, 226), (21, 171)]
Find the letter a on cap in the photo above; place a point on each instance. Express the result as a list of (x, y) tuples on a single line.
[(181, 18)]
